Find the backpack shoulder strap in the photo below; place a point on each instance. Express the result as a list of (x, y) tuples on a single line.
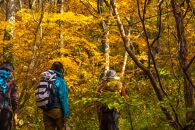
[(9, 87)]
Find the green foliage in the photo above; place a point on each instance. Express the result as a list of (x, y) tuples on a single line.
[(112, 99)]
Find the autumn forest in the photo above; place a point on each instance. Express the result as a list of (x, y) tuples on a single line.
[(150, 44)]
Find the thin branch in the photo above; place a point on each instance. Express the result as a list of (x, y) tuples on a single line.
[(142, 18), (189, 64), (99, 6), (188, 78), (187, 10), (188, 20), (33, 3), (137, 22), (192, 9), (91, 12), (159, 21), (20, 4), (91, 6), (153, 16), (38, 25), (106, 2), (148, 44)]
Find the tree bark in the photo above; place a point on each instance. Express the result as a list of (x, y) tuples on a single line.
[(60, 9), (124, 64), (9, 32), (183, 52), (10, 17), (105, 43)]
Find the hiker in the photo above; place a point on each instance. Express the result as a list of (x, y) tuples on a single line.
[(8, 97), (108, 118), (56, 115)]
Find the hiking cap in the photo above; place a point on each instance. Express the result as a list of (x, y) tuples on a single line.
[(111, 74)]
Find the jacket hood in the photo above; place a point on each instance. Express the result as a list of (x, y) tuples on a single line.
[(58, 74)]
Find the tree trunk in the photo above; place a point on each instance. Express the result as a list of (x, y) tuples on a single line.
[(105, 27), (126, 55), (60, 9), (10, 17), (9, 32), (124, 64), (183, 52)]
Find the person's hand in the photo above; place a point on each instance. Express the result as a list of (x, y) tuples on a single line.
[(119, 86), (65, 121), (15, 119)]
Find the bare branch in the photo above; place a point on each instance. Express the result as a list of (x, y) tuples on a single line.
[(107, 4), (192, 9), (148, 43), (88, 8), (190, 63), (158, 22), (189, 79), (187, 9), (33, 3), (20, 4), (91, 6)]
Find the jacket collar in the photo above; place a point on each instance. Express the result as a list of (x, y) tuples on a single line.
[(58, 74)]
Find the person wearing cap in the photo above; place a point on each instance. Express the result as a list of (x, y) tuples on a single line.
[(108, 118), (9, 96)]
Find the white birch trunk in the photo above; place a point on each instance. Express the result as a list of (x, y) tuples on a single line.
[(105, 40), (124, 64), (107, 50), (61, 10), (126, 55), (10, 18), (9, 6)]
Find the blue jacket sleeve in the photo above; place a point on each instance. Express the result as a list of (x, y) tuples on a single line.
[(63, 96)]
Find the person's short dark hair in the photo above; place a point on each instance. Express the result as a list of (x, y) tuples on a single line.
[(58, 66), (7, 66)]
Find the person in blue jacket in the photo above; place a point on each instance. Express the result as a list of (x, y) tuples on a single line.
[(57, 114), (8, 97)]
